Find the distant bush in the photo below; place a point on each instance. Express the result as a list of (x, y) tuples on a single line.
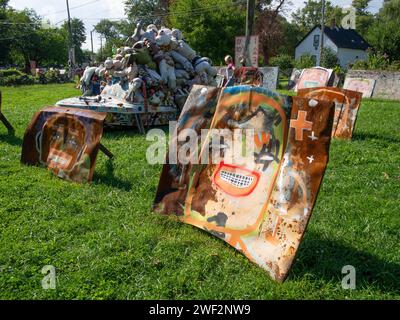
[(15, 80), (283, 61), (376, 61), (14, 77), (10, 72), (329, 59), (305, 61)]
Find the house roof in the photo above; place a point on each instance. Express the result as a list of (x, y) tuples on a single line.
[(342, 38)]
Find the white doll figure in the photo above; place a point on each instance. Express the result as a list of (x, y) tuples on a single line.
[(166, 65), (177, 35), (151, 33), (139, 34), (124, 51), (134, 93), (157, 98), (204, 69), (117, 65), (182, 77), (185, 50), (185, 63), (87, 75)]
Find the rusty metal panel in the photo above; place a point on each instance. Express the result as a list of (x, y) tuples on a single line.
[(64, 140), (259, 203), (347, 105)]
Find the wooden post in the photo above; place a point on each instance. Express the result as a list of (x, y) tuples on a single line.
[(107, 152), (4, 120)]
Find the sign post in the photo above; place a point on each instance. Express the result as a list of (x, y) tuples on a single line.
[(253, 49)]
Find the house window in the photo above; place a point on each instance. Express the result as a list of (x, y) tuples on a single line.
[(316, 41)]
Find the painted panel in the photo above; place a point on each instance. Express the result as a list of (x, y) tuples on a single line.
[(259, 199), (270, 77), (365, 86), (313, 78), (347, 105), (66, 141)]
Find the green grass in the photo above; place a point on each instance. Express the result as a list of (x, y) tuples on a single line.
[(106, 243)]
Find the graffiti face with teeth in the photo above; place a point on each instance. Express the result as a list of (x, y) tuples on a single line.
[(62, 146), (239, 185)]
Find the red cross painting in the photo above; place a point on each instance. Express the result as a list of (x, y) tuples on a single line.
[(300, 124)]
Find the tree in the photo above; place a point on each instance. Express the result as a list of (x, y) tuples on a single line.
[(269, 27), (364, 19), (108, 29), (384, 34), (25, 39), (147, 11), (78, 36), (3, 4), (329, 59), (22, 29), (78, 31), (209, 26), (292, 34), (311, 15), (115, 33), (360, 6)]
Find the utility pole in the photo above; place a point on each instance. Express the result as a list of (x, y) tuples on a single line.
[(101, 48), (71, 49), (251, 4), (322, 33), (91, 42)]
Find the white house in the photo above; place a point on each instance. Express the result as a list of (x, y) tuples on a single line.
[(346, 43)]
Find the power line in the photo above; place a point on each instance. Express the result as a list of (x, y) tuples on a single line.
[(71, 8), (193, 12)]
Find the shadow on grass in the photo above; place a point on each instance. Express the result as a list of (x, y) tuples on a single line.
[(325, 259), (11, 139), (372, 136), (109, 178), (117, 133)]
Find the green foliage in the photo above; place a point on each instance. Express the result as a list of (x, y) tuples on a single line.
[(361, 6), (292, 35), (106, 243), (10, 72), (115, 34), (364, 19), (78, 31), (16, 80), (14, 77), (310, 15), (212, 30), (25, 39), (147, 11), (384, 35), (305, 61), (329, 58), (376, 61), (108, 29), (284, 62)]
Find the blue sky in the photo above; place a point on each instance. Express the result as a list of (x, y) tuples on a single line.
[(91, 11)]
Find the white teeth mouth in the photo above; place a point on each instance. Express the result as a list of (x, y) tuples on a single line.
[(238, 180), (59, 160)]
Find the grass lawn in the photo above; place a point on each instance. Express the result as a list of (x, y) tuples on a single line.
[(106, 243)]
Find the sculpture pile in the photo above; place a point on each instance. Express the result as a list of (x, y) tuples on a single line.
[(155, 66)]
